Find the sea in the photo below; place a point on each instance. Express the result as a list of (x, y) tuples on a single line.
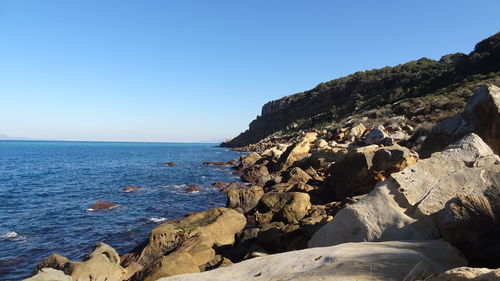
[(47, 188)]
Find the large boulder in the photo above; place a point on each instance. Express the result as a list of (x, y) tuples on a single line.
[(358, 172), (257, 174), (402, 207), (218, 225), (296, 175), (293, 153), (244, 199), (247, 161), (178, 263), (470, 223), (468, 274), (289, 207), (351, 261), (480, 116)]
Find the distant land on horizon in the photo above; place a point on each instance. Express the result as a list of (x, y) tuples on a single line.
[(4, 137)]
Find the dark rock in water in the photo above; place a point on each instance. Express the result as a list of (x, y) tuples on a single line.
[(103, 206), (215, 163), (169, 164), (219, 184), (470, 224), (130, 188), (230, 186), (193, 188), (480, 116)]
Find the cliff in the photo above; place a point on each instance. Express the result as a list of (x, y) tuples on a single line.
[(452, 78)]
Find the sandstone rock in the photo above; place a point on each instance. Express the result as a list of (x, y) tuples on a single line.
[(170, 265), (393, 159), (244, 199), (257, 175), (376, 135), (219, 224), (249, 160), (293, 153), (100, 264), (311, 137), (468, 274), (193, 189), (272, 152), (401, 208), (102, 206), (480, 116), (468, 223), (49, 274), (55, 261), (296, 175), (290, 207), (357, 131), (321, 144), (388, 261), (169, 164)]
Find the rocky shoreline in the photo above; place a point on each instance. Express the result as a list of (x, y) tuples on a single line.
[(361, 202)]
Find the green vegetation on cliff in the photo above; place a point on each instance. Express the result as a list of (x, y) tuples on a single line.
[(420, 81)]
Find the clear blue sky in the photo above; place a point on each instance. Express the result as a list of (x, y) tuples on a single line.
[(195, 70)]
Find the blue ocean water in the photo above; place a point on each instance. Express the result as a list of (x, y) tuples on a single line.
[(47, 187)]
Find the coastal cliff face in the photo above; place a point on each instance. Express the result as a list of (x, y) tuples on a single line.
[(451, 80)]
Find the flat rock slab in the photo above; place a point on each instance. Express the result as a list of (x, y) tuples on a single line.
[(351, 261)]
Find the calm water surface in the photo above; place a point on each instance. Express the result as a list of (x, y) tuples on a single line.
[(47, 187)]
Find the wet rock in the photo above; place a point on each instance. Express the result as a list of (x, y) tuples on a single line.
[(231, 186), (244, 199), (103, 206), (193, 189), (480, 116), (219, 184), (169, 164)]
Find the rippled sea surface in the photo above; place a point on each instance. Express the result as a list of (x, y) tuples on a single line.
[(47, 187)]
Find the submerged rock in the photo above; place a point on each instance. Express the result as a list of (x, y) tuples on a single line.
[(193, 188), (130, 188), (215, 163), (169, 164)]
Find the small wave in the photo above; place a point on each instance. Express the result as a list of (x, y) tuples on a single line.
[(12, 236), (157, 220), (176, 186)]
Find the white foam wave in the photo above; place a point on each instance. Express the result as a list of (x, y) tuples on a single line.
[(157, 220), (13, 236)]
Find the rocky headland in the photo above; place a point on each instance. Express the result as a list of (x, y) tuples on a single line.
[(403, 188)]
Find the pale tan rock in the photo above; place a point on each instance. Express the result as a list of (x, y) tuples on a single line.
[(365, 261), (402, 207), (290, 207), (249, 160), (49, 274), (468, 274), (175, 264)]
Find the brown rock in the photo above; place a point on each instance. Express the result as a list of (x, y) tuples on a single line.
[(103, 206), (169, 164), (289, 207), (468, 223), (215, 163), (219, 184), (231, 186), (193, 188), (244, 199), (170, 265)]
